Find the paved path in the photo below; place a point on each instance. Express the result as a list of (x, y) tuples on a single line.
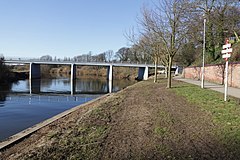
[(235, 92)]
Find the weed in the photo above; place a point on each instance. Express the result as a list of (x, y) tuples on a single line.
[(52, 135), (160, 131)]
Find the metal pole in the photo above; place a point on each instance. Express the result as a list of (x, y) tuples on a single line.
[(204, 46), (226, 82)]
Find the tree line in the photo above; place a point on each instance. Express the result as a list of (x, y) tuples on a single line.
[(172, 30), (124, 54)]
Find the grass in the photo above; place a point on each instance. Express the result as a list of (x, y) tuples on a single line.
[(160, 130), (162, 123), (224, 114), (80, 138), (76, 141)]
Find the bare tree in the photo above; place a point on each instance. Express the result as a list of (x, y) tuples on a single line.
[(46, 58), (109, 55), (124, 54), (168, 20), (137, 47), (153, 47)]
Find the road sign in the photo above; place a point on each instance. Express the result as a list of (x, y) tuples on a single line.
[(226, 55), (228, 50), (227, 46)]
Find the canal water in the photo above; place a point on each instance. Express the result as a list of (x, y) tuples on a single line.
[(19, 109)]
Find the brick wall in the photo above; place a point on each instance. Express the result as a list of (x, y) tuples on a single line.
[(215, 73)]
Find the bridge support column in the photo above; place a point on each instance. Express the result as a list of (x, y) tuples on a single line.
[(73, 79), (110, 78), (35, 71), (110, 73), (110, 84), (143, 73), (34, 86)]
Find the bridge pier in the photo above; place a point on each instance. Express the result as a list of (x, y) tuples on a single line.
[(110, 73), (110, 78), (109, 87), (73, 79), (143, 73), (34, 86), (35, 71)]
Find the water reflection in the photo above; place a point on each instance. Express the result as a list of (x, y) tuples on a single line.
[(46, 98), (4, 91), (91, 86), (64, 85), (34, 86), (22, 111), (26, 103)]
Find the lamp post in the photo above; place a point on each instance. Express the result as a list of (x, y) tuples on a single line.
[(204, 46)]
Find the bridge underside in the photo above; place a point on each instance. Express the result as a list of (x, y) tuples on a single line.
[(142, 73), (35, 73)]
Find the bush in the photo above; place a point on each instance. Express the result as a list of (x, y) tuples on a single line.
[(4, 72)]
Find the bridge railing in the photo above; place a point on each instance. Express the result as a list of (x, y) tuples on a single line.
[(19, 60), (27, 59)]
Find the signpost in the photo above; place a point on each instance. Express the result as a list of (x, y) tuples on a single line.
[(204, 46), (226, 53)]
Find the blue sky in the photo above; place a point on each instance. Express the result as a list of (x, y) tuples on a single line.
[(65, 28)]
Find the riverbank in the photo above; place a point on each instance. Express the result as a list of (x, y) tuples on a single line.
[(143, 121)]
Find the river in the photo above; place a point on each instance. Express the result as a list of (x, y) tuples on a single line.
[(19, 109)]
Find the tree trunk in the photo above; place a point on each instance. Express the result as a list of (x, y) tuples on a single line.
[(169, 83), (236, 35), (155, 72)]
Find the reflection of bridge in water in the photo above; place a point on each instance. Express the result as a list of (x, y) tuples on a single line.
[(23, 98), (35, 88)]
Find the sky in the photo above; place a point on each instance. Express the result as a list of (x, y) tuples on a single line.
[(65, 28)]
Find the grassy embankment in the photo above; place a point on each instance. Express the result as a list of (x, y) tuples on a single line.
[(144, 121), (225, 114)]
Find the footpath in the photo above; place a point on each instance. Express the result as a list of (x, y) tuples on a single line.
[(234, 92)]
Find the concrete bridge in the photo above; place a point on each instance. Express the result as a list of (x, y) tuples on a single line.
[(35, 71)]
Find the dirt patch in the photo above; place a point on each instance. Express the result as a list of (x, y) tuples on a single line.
[(144, 121)]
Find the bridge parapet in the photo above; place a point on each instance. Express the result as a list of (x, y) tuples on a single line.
[(38, 61)]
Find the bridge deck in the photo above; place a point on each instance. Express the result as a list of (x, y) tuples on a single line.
[(82, 63)]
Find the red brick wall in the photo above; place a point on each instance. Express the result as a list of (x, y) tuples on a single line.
[(215, 73)]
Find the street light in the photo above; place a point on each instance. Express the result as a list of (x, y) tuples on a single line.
[(204, 46)]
